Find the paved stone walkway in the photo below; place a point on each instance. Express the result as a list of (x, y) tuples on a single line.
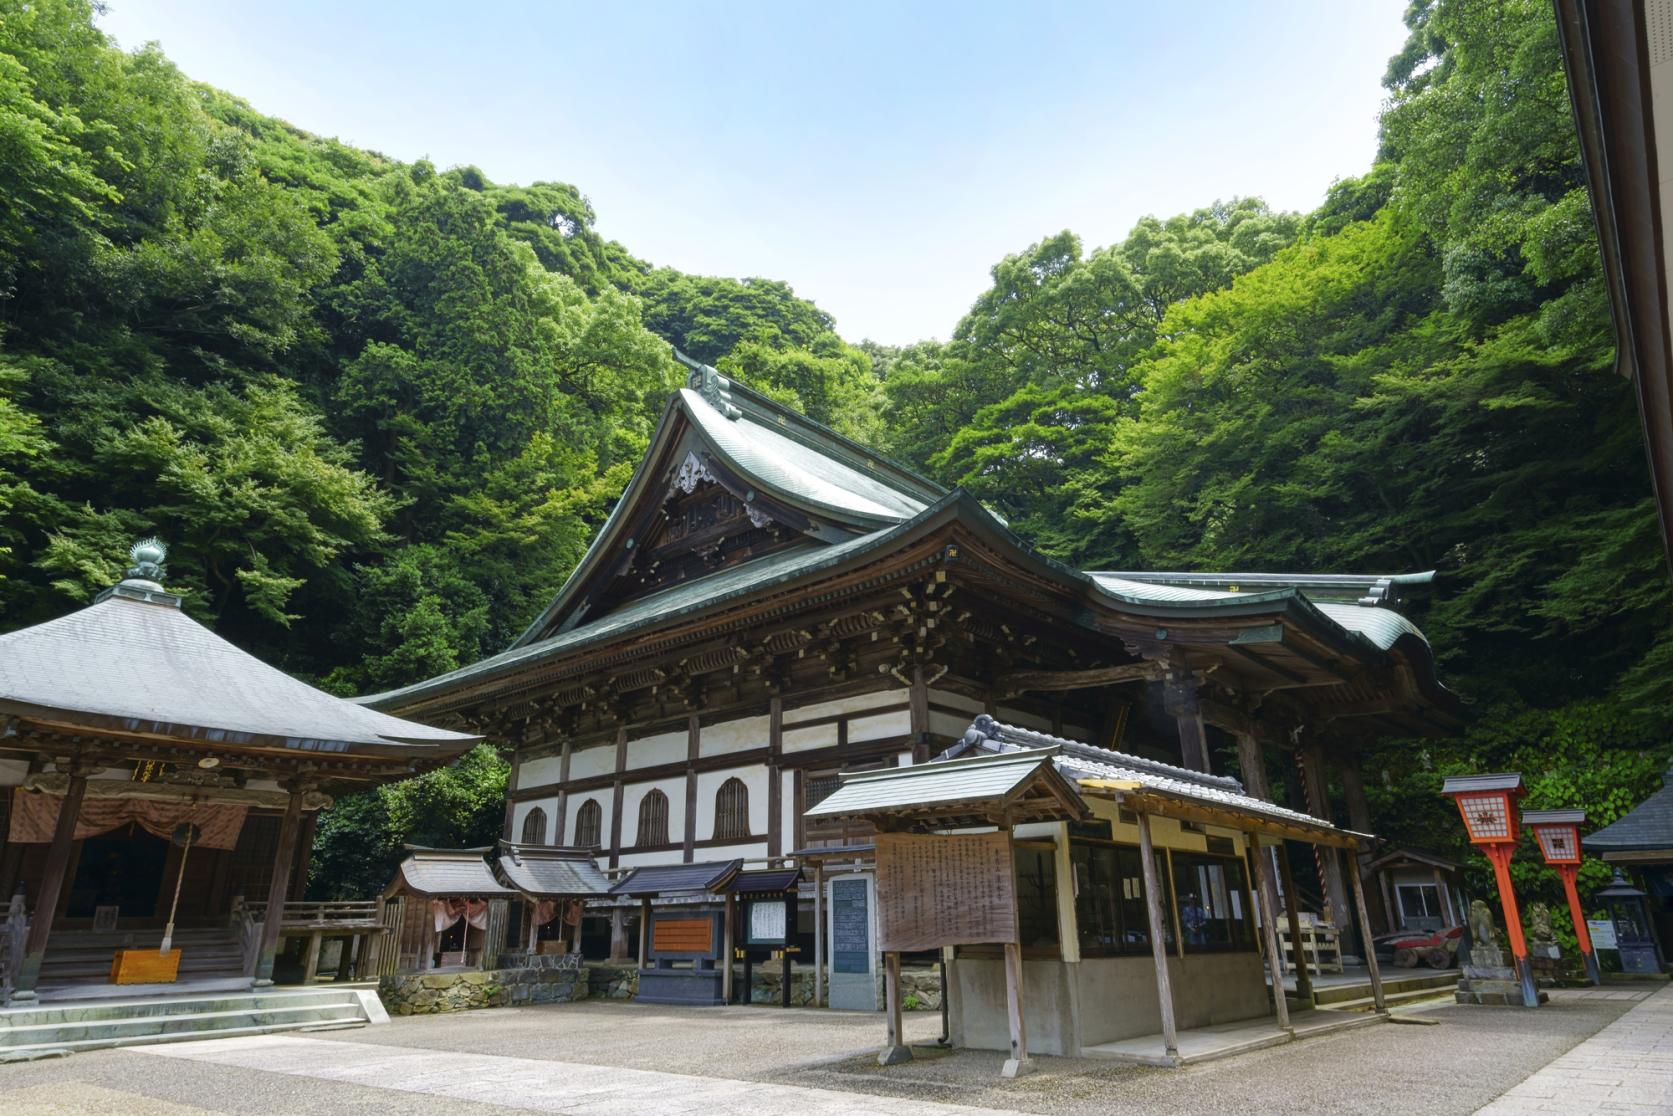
[(540, 1086), (1625, 1069)]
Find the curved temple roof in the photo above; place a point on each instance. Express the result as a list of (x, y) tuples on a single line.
[(864, 505), (134, 663)]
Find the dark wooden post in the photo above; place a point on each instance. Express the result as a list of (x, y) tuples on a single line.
[(819, 934), (58, 867), (1269, 930), (644, 931), (1365, 931), (1158, 945), (727, 949), (1179, 697), (1018, 1063), (618, 934), (895, 1050), (1303, 977), (279, 887)]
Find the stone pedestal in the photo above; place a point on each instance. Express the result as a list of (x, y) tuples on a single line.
[(1488, 979)]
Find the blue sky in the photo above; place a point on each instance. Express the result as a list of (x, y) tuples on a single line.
[(878, 157)]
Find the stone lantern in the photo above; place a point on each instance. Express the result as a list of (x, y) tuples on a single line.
[(1635, 935)]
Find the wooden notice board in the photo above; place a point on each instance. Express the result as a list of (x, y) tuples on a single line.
[(682, 935), (935, 891)]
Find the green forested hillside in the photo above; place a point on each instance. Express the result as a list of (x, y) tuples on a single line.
[(378, 408)]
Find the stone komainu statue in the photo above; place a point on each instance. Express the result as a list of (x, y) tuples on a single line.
[(1539, 923), (1483, 931)]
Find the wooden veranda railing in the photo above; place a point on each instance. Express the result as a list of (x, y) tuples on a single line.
[(328, 915)]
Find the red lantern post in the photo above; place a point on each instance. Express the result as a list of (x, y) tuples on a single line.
[(1558, 834), (1484, 802)]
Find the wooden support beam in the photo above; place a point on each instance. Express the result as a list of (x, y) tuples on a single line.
[(726, 949), (644, 931), (1158, 942), (1303, 977), (283, 857), (819, 934), (1054, 681), (53, 879), (1269, 929), (895, 1050), (1365, 932), (1018, 1063)]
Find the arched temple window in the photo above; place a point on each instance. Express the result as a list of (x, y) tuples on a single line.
[(732, 810), (534, 827), (653, 819), (589, 824)]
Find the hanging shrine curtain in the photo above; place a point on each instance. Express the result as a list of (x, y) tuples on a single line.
[(34, 816), (446, 912)]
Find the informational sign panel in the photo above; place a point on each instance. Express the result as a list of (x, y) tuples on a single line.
[(850, 927), (935, 891), (766, 922), (1603, 933)]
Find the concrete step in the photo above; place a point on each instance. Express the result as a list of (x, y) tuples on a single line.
[(1397, 999), (73, 1012), (31, 1031), (1408, 981), (21, 1053)]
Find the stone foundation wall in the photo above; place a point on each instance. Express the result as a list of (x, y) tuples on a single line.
[(538, 982)]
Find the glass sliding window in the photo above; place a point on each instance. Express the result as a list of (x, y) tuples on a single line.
[(1109, 900), (1214, 911), (1036, 895), (1420, 905)]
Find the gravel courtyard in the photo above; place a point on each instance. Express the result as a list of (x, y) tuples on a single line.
[(609, 1057)]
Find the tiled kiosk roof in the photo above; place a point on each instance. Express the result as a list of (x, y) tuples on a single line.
[(550, 871), (856, 511), (677, 879), (446, 873), (1647, 828), (1000, 773), (134, 664)]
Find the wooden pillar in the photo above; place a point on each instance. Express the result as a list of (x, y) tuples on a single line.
[(345, 960), (895, 1050), (58, 868), (284, 856), (819, 934), (579, 923), (1251, 762), (1316, 779), (1269, 931), (1018, 1063), (1303, 975), (310, 967), (1391, 913), (618, 934), (727, 948), (644, 931), (304, 855), (427, 935), (561, 824), (1444, 894), (1179, 698), (775, 778), (1158, 943), (511, 782), (1365, 930), (688, 845)]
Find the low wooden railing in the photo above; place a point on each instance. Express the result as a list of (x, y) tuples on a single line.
[(248, 930), (323, 915)]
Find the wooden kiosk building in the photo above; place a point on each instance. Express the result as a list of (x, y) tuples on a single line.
[(157, 781), (771, 607)]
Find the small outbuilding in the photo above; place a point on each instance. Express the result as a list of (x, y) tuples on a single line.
[(1640, 843), (557, 882), (444, 910)]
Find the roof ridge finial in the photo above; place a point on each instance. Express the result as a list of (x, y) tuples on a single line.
[(147, 556)]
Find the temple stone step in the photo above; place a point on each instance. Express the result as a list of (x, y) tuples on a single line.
[(1335, 995), (87, 1026)]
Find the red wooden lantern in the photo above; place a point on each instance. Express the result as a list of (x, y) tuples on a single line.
[(1485, 802), (1558, 834)]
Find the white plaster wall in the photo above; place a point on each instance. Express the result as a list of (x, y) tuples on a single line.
[(542, 772), (801, 740), (949, 724), (634, 793), (1008, 716), (522, 811), (735, 736), (957, 701), (880, 726), (709, 783), (603, 798), (651, 751), (751, 850), (12, 772), (787, 817), (641, 860), (856, 704), (600, 759)]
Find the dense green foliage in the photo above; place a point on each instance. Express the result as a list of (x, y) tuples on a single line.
[(378, 409)]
